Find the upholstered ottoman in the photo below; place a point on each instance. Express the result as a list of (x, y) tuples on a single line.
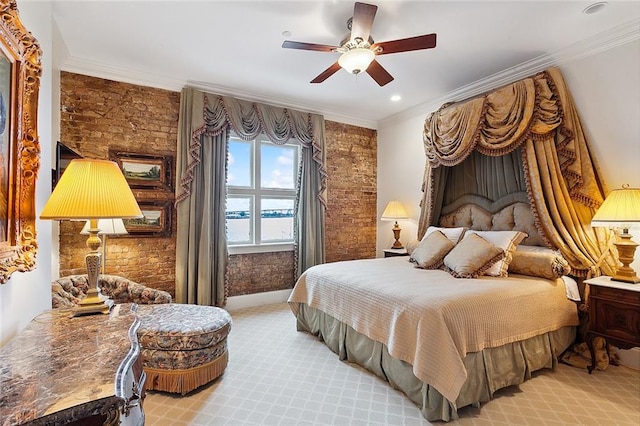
[(182, 346)]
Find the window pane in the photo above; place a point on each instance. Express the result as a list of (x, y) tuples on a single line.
[(238, 218), (278, 168), (239, 163), (276, 218)]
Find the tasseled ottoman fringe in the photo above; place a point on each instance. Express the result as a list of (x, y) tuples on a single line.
[(184, 381)]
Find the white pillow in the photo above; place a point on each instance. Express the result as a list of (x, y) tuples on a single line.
[(507, 241), (454, 234)]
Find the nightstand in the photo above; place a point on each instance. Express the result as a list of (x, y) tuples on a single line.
[(614, 314), (395, 252)]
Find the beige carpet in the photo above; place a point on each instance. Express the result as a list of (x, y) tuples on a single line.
[(278, 376)]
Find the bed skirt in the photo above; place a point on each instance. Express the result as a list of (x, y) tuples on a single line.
[(488, 370)]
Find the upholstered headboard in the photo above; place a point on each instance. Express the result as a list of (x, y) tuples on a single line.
[(509, 213)]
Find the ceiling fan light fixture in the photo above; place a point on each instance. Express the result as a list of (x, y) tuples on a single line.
[(356, 60)]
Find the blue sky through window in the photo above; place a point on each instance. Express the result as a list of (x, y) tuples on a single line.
[(277, 168), (239, 164), (278, 171)]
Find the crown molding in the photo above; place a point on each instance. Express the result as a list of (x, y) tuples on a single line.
[(606, 40), (123, 75)]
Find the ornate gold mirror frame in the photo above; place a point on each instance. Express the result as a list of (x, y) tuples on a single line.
[(20, 71)]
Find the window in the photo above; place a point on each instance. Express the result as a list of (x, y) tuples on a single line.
[(261, 190)]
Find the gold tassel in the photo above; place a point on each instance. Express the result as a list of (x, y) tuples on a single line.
[(184, 381)]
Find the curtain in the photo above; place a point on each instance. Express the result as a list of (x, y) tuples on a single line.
[(204, 126), (563, 181), (489, 177)]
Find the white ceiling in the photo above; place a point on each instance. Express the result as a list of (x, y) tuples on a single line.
[(234, 47)]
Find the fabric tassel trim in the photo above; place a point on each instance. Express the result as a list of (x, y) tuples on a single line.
[(184, 381)]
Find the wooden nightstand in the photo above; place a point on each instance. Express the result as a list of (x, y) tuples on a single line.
[(395, 252), (614, 314)]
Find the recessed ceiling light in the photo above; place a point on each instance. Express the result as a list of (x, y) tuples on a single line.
[(396, 98), (286, 33), (595, 7)]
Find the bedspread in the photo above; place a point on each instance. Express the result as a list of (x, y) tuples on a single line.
[(430, 319)]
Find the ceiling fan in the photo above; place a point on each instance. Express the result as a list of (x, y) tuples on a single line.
[(358, 50)]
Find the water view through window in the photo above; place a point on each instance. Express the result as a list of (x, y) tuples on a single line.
[(276, 219)]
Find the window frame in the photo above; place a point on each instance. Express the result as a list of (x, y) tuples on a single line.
[(256, 194)]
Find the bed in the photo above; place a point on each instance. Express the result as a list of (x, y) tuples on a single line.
[(446, 342), (513, 165)]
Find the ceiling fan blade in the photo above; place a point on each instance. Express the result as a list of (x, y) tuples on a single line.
[(327, 73), (363, 15), (287, 44), (427, 41), (379, 74)]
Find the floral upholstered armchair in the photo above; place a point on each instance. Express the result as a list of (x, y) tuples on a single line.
[(68, 291)]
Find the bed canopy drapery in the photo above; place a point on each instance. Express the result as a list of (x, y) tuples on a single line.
[(204, 126), (534, 126)]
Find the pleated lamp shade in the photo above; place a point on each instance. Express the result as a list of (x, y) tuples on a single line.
[(620, 208), (91, 189), (394, 211)]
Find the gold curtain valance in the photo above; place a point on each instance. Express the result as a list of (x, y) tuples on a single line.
[(563, 181), (499, 122)]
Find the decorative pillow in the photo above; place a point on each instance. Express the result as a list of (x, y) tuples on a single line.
[(431, 251), (507, 241), (472, 256), (454, 234), (539, 262)]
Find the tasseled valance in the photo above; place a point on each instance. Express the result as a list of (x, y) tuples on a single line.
[(563, 181), (214, 114)]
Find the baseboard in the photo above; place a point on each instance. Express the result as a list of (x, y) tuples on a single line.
[(630, 358), (257, 299)]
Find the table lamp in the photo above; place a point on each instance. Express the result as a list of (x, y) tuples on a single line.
[(395, 211), (107, 227), (621, 209), (90, 190)]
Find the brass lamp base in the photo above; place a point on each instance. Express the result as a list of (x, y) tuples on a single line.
[(95, 302), (626, 249), (396, 234)]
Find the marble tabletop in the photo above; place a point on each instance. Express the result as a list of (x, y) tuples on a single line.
[(62, 368)]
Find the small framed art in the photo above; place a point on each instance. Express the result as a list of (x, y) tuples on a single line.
[(145, 171), (155, 221)]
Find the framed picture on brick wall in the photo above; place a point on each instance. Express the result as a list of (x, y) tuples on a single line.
[(155, 221), (145, 171)]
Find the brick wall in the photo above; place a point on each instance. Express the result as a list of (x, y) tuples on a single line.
[(98, 114), (260, 272), (350, 225)]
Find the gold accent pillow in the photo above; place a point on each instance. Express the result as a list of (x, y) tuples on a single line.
[(539, 262), (431, 251), (472, 256), (507, 241)]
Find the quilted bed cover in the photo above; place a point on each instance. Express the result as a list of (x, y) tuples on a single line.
[(430, 319)]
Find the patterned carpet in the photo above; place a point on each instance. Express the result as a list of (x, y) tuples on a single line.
[(278, 376)]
